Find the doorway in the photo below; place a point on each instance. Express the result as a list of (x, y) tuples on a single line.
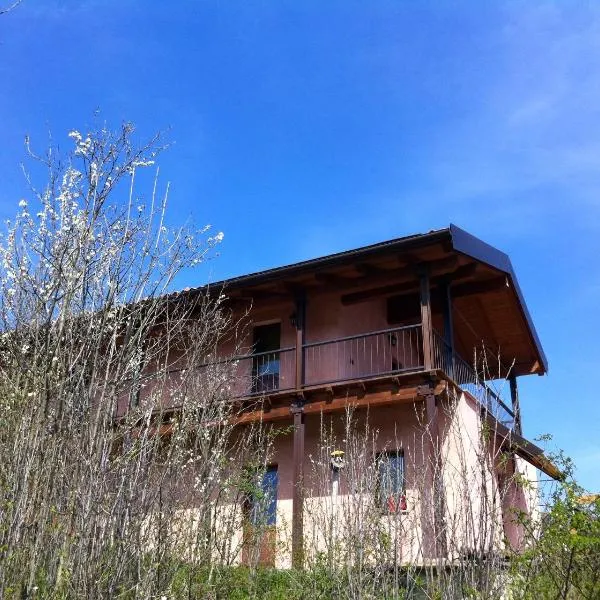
[(265, 361)]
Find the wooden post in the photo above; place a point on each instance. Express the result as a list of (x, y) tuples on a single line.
[(448, 328), (447, 309), (297, 410), (300, 338), (436, 480), (426, 322), (514, 396)]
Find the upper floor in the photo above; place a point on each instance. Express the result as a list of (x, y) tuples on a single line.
[(443, 301)]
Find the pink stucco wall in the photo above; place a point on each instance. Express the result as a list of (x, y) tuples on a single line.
[(361, 435), (477, 517)]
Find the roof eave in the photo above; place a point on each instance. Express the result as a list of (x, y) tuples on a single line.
[(460, 240), (513, 442), (324, 262)]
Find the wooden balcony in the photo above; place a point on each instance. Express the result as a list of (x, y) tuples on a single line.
[(362, 360)]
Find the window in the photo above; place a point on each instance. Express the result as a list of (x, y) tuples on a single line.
[(390, 481), (265, 363), (404, 310), (262, 500)]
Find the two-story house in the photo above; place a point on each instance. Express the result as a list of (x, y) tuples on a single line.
[(424, 338)]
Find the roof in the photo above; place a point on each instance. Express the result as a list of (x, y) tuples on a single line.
[(347, 256)]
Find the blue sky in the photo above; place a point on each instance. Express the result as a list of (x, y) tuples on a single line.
[(304, 128)]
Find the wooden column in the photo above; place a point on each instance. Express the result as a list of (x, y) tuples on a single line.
[(437, 497), (297, 410), (514, 396), (300, 338), (447, 310), (426, 322), (446, 296)]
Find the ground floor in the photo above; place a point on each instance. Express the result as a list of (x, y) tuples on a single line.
[(406, 481)]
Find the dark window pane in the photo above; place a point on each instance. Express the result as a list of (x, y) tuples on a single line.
[(267, 337)]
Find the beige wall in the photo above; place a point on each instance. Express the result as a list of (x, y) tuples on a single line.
[(473, 508), (335, 511)]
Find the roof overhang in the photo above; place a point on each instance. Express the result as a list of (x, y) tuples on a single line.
[(474, 247)]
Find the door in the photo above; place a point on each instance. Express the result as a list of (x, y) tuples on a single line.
[(265, 362), (260, 533)]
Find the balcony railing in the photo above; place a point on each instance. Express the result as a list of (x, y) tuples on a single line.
[(265, 372), (357, 357), (468, 378), (364, 356)]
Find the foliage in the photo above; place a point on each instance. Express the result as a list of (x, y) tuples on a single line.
[(95, 354), (564, 557)]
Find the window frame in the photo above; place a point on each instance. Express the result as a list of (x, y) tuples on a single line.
[(254, 513)]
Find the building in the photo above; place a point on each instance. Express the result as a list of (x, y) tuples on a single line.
[(424, 337)]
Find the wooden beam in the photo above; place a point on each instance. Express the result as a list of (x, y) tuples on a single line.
[(368, 269), (393, 288), (297, 411), (405, 277), (332, 279), (480, 287), (461, 272), (259, 294), (407, 259), (541, 462), (290, 289), (412, 285), (387, 397), (514, 442), (358, 400), (441, 265), (446, 298), (255, 416)]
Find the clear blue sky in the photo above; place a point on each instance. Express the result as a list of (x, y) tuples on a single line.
[(304, 128)]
